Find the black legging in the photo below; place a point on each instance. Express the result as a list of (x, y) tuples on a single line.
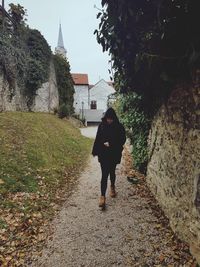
[(107, 168)]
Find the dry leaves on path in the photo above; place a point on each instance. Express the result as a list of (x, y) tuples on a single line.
[(181, 255), (24, 223)]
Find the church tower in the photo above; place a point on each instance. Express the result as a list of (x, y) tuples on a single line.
[(60, 49)]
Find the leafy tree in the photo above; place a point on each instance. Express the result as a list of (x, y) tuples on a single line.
[(17, 13), (64, 111), (154, 45), (157, 40), (65, 83)]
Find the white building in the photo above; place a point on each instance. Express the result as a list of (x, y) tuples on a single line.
[(81, 87), (99, 93), (90, 102)]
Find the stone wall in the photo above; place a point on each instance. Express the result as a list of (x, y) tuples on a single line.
[(9, 102), (173, 172), (46, 100)]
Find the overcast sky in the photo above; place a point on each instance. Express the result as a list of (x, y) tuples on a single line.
[(78, 19)]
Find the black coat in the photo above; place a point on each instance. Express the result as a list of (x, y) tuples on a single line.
[(115, 135)]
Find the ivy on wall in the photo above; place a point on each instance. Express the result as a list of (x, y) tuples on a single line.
[(38, 63), (12, 61), (24, 55)]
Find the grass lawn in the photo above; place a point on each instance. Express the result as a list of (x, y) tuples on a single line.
[(40, 158), (35, 146)]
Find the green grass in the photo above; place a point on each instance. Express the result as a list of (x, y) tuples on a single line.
[(38, 147), (41, 157)]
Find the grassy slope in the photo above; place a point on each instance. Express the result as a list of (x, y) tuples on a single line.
[(40, 158), (36, 146)]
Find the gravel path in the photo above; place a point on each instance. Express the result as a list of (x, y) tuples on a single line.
[(89, 131), (126, 234)]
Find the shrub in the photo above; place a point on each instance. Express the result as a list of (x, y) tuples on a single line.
[(55, 111), (63, 111), (137, 125)]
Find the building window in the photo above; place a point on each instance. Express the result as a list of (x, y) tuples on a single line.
[(93, 104)]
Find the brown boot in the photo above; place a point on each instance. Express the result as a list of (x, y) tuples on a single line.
[(112, 191), (102, 201)]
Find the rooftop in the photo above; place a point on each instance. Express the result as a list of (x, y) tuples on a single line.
[(80, 79)]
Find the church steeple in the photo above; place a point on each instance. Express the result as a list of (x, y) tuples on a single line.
[(60, 38), (60, 49)]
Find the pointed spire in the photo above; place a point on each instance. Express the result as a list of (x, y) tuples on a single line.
[(60, 38), (60, 49)]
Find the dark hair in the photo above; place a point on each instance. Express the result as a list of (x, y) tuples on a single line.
[(111, 114)]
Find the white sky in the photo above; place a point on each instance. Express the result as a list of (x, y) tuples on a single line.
[(78, 19)]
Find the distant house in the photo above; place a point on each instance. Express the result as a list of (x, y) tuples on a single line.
[(91, 101), (99, 94), (81, 87)]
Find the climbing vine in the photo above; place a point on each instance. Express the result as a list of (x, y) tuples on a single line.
[(12, 62), (38, 62)]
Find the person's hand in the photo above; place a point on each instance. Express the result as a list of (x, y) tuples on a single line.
[(106, 144)]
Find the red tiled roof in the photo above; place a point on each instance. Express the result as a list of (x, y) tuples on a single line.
[(80, 79)]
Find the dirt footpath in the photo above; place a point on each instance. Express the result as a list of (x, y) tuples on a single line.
[(126, 234)]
